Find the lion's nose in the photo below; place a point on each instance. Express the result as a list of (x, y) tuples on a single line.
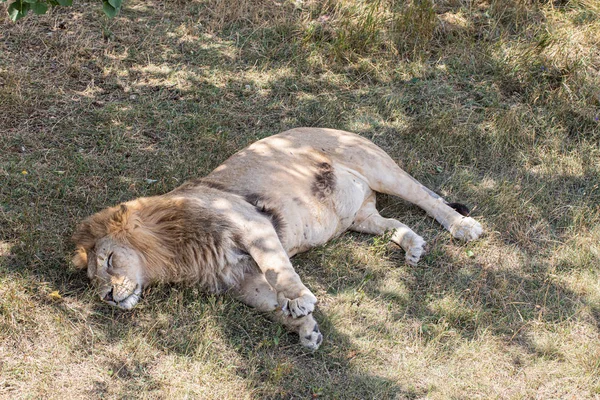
[(109, 296)]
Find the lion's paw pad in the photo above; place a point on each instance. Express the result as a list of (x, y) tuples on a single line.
[(466, 229)]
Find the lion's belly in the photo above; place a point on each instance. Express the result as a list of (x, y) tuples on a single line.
[(311, 221)]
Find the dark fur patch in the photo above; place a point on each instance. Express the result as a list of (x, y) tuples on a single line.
[(262, 207), (460, 208), (324, 183)]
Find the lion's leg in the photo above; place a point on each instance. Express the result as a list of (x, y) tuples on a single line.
[(256, 292), (368, 220), (383, 175), (408, 188), (264, 246)]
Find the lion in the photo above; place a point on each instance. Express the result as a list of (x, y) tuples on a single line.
[(236, 229)]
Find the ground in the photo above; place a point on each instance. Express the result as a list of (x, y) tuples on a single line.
[(492, 103)]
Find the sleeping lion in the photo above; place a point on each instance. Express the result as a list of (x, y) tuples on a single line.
[(236, 229)]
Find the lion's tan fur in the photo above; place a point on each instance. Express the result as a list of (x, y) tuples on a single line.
[(178, 240)]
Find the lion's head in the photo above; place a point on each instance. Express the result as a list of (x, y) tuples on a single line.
[(114, 265), (117, 271), (155, 239)]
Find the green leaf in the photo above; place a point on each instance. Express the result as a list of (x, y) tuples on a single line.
[(116, 3), (39, 8), (108, 9), (17, 10), (470, 253), (65, 2)]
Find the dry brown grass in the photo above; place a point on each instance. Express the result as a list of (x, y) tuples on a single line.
[(493, 103)]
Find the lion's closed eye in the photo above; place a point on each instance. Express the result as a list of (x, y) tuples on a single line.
[(109, 262)]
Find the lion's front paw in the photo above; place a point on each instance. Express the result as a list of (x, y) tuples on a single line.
[(311, 338), (466, 229), (299, 306)]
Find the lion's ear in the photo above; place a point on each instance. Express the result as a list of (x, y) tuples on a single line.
[(80, 258), (85, 239)]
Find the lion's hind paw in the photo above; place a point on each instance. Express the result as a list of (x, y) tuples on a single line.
[(466, 229)]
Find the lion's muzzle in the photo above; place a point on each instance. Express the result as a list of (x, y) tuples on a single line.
[(125, 294)]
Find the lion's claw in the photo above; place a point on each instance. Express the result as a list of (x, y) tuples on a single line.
[(297, 307)]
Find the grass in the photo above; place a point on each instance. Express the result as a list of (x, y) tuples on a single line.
[(491, 103)]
